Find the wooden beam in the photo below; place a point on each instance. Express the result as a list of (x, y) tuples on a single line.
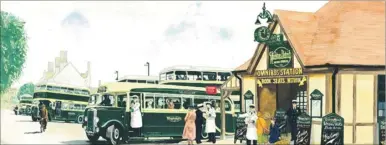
[(354, 133), (224, 94), (375, 108)]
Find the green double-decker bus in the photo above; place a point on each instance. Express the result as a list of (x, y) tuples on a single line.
[(64, 103), (108, 113)]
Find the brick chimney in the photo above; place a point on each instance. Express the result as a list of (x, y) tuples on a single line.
[(57, 64), (63, 56), (50, 67)]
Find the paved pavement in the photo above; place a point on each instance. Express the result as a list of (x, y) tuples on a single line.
[(18, 129)]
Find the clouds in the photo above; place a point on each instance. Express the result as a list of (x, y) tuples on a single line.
[(123, 35)]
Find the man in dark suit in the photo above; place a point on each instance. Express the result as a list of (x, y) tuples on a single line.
[(199, 122), (292, 115)]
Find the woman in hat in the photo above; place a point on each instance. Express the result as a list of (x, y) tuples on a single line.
[(210, 126), (136, 116), (250, 120), (274, 132), (189, 132)]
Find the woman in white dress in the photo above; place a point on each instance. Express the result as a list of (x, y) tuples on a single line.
[(250, 120), (136, 116), (210, 126)]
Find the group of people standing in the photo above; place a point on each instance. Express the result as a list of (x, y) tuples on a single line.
[(194, 121), (257, 130)]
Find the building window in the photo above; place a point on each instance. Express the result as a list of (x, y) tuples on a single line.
[(381, 96), (301, 98)]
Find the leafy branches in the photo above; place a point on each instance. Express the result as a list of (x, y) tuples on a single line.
[(13, 49)]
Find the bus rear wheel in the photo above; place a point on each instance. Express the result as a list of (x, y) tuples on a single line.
[(93, 139), (80, 119)]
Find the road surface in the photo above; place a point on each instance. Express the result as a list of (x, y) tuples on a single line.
[(17, 129)]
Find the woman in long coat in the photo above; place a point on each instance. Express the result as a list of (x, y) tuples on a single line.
[(190, 126), (210, 126), (262, 128), (136, 116)]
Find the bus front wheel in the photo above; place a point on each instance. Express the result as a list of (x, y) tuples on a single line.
[(93, 139), (115, 136)]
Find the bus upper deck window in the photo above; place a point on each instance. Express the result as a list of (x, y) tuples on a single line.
[(209, 76), (181, 75), (142, 81), (170, 75), (194, 75)]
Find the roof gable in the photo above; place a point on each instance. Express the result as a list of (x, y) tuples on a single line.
[(68, 75), (339, 33)]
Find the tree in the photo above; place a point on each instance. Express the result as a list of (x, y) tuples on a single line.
[(13, 49), (27, 88)]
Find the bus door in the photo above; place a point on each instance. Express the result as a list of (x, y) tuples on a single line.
[(58, 108)]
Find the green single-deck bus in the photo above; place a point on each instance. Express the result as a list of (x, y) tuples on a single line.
[(107, 115), (25, 104), (63, 102)]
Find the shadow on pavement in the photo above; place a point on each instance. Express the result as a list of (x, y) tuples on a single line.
[(103, 142), (34, 132), (24, 121)]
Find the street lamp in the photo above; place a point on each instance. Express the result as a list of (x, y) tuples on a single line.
[(116, 72), (148, 68)]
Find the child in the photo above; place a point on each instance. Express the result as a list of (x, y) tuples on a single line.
[(274, 132)]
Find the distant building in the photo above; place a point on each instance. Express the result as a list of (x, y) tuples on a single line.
[(64, 72)]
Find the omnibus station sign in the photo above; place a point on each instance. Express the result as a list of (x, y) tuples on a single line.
[(285, 80), (279, 72)]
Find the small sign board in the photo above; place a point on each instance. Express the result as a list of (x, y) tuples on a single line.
[(280, 55), (280, 119), (211, 90), (241, 129), (332, 129), (316, 95), (303, 135), (381, 130), (248, 97)]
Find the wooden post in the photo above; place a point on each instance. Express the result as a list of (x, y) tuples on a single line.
[(223, 95)]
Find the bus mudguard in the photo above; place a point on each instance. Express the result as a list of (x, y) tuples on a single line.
[(115, 122)]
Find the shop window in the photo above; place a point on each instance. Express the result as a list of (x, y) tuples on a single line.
[(301, 98), (381, 96)]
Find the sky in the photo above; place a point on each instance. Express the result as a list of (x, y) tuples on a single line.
[(124, 35)]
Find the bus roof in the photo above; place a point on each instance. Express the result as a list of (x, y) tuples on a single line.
[(26, 96), (64, 85), (195, 68), (126, 87), (138, 77)]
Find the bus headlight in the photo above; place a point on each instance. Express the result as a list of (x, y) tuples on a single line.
[(96, 120), (85, 119)]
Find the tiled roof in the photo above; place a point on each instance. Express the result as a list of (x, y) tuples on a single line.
[(244, 66), (340, 33)]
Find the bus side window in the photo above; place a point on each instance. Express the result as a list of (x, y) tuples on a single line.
[(199, 101), (186, 102), (149, 101), (122, 100), (160, 104)]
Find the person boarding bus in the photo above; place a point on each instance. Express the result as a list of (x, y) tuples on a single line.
[(210, 126)]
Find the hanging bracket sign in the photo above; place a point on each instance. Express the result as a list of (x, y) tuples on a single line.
[(263, 34), (332, 129)]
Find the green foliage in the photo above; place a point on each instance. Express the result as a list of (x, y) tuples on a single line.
[(13, 49), (27, 88)]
